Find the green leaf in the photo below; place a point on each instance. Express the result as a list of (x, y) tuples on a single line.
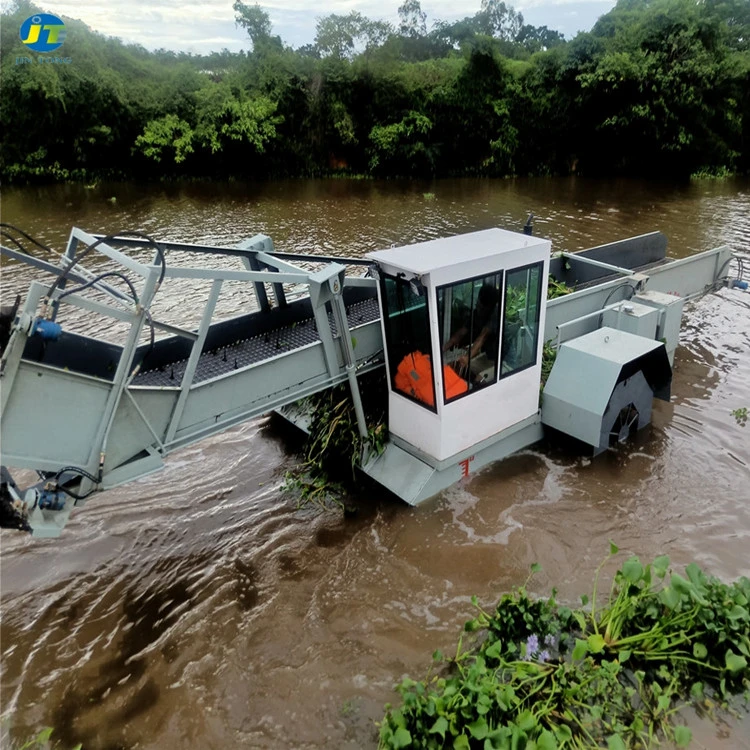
[(526, 721), (696, 691), (695, 574), (682, 736), (737, 613), (439, 726), (563, 733), (546, 741), (734, 662), (669, 597), (660, 566), (43, 737), (497, 739), (580, 650), (663, 703), (580, 619), (494, 650), (478, 728), (536, 568), (613, 548), (437, 655), (401, 738), (632, 570), (681, 585), (615, 743), (595, 643), (624, 655), (461, 743), (699, 651), (584, 600)]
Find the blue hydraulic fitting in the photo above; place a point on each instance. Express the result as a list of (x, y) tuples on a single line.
[(47, 329), (739, 284), (51, 500)]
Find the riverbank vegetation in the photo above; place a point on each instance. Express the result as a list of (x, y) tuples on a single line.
[(657, 87), (613, 673)]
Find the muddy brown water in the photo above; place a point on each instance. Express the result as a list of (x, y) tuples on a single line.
[(197, 608)]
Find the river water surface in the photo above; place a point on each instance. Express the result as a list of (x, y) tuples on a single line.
[(197, 608)]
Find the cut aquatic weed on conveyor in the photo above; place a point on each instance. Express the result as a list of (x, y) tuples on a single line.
[(334, 446)]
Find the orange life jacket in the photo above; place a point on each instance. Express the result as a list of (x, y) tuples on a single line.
[(414, 377)]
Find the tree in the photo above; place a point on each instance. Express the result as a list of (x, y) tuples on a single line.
[(401, 147), (413, 19), (537, 38), (657, 86), (336, 35), (499, 20), (339, 36), (660, 91), (256, 22), (168, 134)]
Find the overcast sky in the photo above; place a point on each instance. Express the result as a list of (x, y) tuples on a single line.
[(208, 25)]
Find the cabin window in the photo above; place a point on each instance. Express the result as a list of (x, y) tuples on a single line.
[(469, 320), (522, 310), (407, 334)]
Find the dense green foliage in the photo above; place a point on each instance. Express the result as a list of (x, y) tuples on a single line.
[(542, 676), (656, 87)]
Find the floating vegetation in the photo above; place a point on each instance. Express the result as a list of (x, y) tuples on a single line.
[(429, 196), (557, 288), (740, 415), (540, 676), (334, 446), (712, 173), (549, 355)]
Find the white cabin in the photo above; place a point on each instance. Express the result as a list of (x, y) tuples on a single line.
[(474, 303)]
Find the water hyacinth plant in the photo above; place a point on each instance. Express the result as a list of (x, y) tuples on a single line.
[(540, 676), (334, 446)]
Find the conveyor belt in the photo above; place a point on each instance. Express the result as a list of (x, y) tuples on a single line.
[(256, 349)]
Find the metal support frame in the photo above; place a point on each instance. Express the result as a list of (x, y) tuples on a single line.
[(251, 263), (79, 275), (162, 432), (597, 263), (581, 319), (195, 353), (320, 294), (149, 427), (122, 375), (339, 314), (241, 250), (11, 360)]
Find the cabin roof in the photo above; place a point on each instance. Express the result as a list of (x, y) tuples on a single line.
[(423, 257)]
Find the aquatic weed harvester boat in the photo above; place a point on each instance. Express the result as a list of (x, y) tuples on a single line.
[(457, 326)]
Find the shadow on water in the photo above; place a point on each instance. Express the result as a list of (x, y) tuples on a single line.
[(141, 613), (146, 616)]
